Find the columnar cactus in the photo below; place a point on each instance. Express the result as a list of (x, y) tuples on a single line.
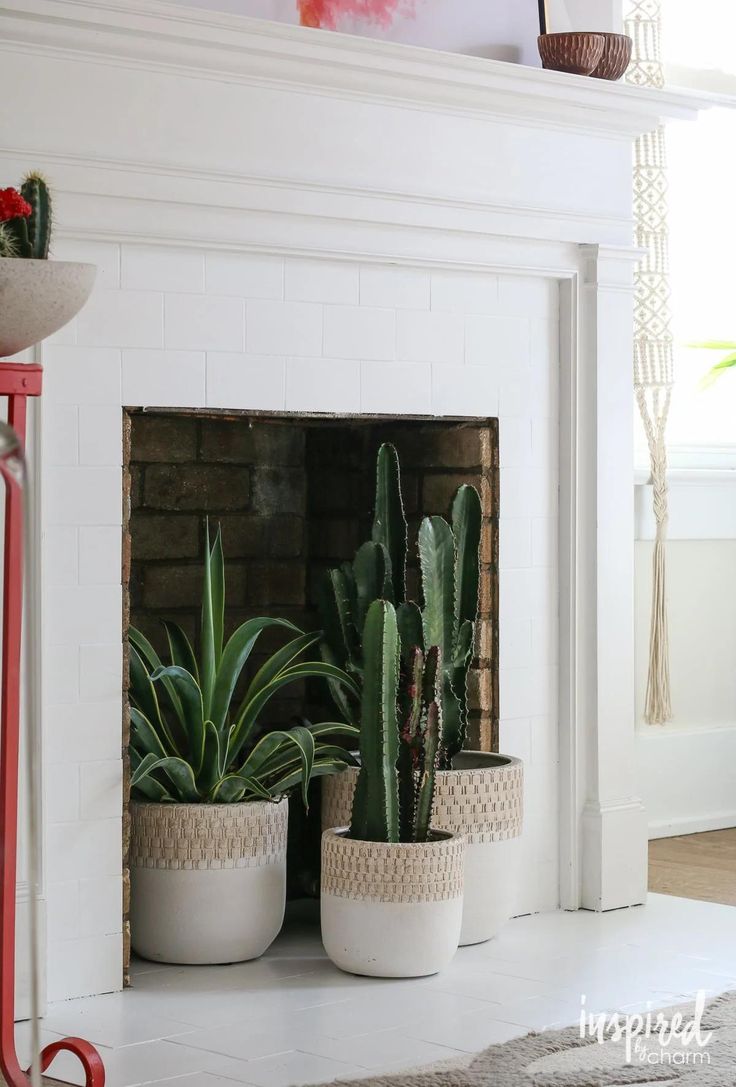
[(35, 192), (449, 558), (395, 790)]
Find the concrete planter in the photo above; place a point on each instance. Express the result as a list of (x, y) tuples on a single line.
[(208, 881), (38, 297), (391, 910), (482, 799)]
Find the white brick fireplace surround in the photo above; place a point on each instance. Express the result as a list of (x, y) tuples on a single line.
[(293, 220)]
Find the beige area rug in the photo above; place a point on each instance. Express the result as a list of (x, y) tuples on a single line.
[(561, 1058)]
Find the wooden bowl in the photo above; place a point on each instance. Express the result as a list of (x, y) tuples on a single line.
[(579, 53), (616, 57)]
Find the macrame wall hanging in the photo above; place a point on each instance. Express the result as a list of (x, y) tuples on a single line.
[(653, 354)]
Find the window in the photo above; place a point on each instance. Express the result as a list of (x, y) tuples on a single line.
[(698, 48)]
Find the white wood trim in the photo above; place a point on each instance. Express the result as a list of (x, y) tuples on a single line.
[(219, 45)]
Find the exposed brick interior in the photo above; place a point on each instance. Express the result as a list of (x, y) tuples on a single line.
[(294, 496)]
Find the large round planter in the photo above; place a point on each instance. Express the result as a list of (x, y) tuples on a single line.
[(38, 297), (208, 881), (391, 910), (482, 799)]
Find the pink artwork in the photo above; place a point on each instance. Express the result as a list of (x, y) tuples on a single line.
[(326, 13)]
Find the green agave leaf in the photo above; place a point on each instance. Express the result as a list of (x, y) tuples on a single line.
[(178, 772), (389, 521), (333, 728), (437, 558), (229, 790), (280, 660), (299, 739), (180, 648), (193, 712), (147, 788), (212, 762), (319, 769), (233, 661), (249, 711), (213, 617), (143, 695), (144, 736)]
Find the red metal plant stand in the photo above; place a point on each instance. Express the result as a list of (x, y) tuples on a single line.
[(18, 382)]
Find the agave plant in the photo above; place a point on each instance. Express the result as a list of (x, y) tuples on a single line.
[(449, 559), (191, 744)]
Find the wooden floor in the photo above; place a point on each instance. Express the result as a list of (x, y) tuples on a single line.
[(699, 866)]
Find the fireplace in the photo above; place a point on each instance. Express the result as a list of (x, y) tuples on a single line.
[(293, 494), (395, 251)]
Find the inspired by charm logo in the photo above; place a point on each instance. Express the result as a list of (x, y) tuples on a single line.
[(654, 1037)]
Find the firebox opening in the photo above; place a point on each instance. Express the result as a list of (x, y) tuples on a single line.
[(293, 495)]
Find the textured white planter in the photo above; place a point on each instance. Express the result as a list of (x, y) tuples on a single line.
[(482, 799), (391, 911), (208, 881), (38, 297)]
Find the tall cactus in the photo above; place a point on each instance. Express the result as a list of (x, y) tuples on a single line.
[(449, 558), (35, 191), (375, 816)]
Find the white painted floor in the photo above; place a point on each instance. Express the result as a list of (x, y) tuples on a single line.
[(291, 1018)]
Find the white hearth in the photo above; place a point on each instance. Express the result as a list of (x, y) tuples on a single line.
[(290, 220)]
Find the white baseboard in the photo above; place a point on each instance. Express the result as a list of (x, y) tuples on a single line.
[(673, 828)]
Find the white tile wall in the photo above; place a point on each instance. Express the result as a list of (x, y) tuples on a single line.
[(185, 328)]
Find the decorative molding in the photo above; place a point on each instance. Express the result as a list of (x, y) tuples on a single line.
[(216, 45)]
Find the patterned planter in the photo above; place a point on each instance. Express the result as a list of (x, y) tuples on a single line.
[(391, 911), (482, 799), (208, 881)]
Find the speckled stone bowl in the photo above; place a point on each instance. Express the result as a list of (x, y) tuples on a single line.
[(616, 57), (578, 53), (38, 297)]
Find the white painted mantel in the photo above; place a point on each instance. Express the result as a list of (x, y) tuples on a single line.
[(287, 219)]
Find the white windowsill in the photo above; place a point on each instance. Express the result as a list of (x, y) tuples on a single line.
[(702, 504)]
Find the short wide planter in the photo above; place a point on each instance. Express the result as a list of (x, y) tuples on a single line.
[(391, 910), (208, 881), (482, 799)]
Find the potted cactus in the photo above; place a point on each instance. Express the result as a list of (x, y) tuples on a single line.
[(210, 785), (39, 296), (478, 794), (392, 885)]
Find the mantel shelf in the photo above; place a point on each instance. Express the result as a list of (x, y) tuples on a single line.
[(240, 49)]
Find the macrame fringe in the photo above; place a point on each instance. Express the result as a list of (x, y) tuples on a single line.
[(654, 406)]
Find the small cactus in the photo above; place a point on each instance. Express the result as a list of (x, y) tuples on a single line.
[(35, 191), (26, 233)]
